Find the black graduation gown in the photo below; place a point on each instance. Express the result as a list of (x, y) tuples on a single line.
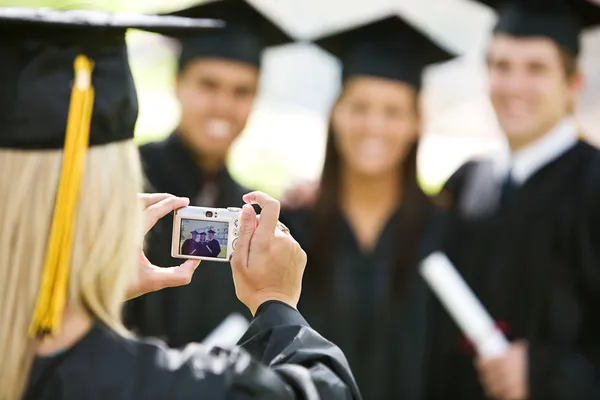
[(189, 247), (185, 314), (215, 248), (202, 249), (382, 337), (289, 361), (535, 265)]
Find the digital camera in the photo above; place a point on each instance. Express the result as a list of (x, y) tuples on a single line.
[(204, 233)]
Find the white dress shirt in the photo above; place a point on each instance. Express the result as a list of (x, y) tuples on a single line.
[(524, 163)]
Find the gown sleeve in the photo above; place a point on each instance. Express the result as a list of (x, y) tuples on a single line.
[(571, 369), (279, 357)]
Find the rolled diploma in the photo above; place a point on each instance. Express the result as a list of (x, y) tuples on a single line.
[(463, 305)]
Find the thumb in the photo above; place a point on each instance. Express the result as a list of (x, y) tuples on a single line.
[(247, 227), (175, 276)]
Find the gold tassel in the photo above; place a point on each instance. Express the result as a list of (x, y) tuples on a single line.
[(52, 296)]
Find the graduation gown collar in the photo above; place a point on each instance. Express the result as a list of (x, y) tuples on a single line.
[(91, 347), (480, 192), (523, 164)]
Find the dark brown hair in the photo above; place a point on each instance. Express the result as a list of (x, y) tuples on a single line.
[(569, 61), (327, 212)]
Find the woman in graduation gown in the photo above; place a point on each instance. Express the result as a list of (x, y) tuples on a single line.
[(364, 235), (60, 303)]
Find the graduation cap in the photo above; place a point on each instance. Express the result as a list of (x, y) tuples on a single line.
[(560, 20), (65, 83), (247, 34), (387, 48), (38, 50)]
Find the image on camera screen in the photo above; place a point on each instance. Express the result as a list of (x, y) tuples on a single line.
[(203, 238)]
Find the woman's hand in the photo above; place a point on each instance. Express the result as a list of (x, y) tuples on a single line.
[(152, 278), (268, 263), (301, 195)]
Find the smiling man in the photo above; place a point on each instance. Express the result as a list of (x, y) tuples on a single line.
[(217, 83), (525, 231)]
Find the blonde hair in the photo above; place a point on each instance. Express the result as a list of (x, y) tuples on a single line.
[(105, 249)]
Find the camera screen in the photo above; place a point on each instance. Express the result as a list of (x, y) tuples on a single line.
[(203, 238)]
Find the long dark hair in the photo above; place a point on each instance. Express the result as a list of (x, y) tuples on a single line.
[(327, 212)]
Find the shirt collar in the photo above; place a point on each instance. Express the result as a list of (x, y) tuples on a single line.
[(524, 163)]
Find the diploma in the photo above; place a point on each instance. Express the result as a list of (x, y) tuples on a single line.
[(463, 305)]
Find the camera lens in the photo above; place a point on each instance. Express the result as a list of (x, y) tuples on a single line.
[(209, 214)]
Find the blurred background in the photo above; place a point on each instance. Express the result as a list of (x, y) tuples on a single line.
[(285, 138)]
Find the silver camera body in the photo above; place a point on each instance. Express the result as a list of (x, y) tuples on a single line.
[(205, 233)]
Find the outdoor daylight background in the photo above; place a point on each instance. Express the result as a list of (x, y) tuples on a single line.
[(284, 140)]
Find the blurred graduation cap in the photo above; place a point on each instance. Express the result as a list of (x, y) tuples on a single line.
[(37, 53), (247, 34), (389, 48), (560, 20), (65, 83)]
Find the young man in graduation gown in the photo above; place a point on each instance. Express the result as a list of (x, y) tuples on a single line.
[(217, 82), (213, 244), (525, 232)]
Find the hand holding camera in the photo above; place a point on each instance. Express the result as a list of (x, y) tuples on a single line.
[(151, 277), (268, 263)]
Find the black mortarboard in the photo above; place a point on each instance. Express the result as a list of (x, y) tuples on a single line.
[(247, 34), (560, 20), (387, 48), (37, 52), (210, 231)]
